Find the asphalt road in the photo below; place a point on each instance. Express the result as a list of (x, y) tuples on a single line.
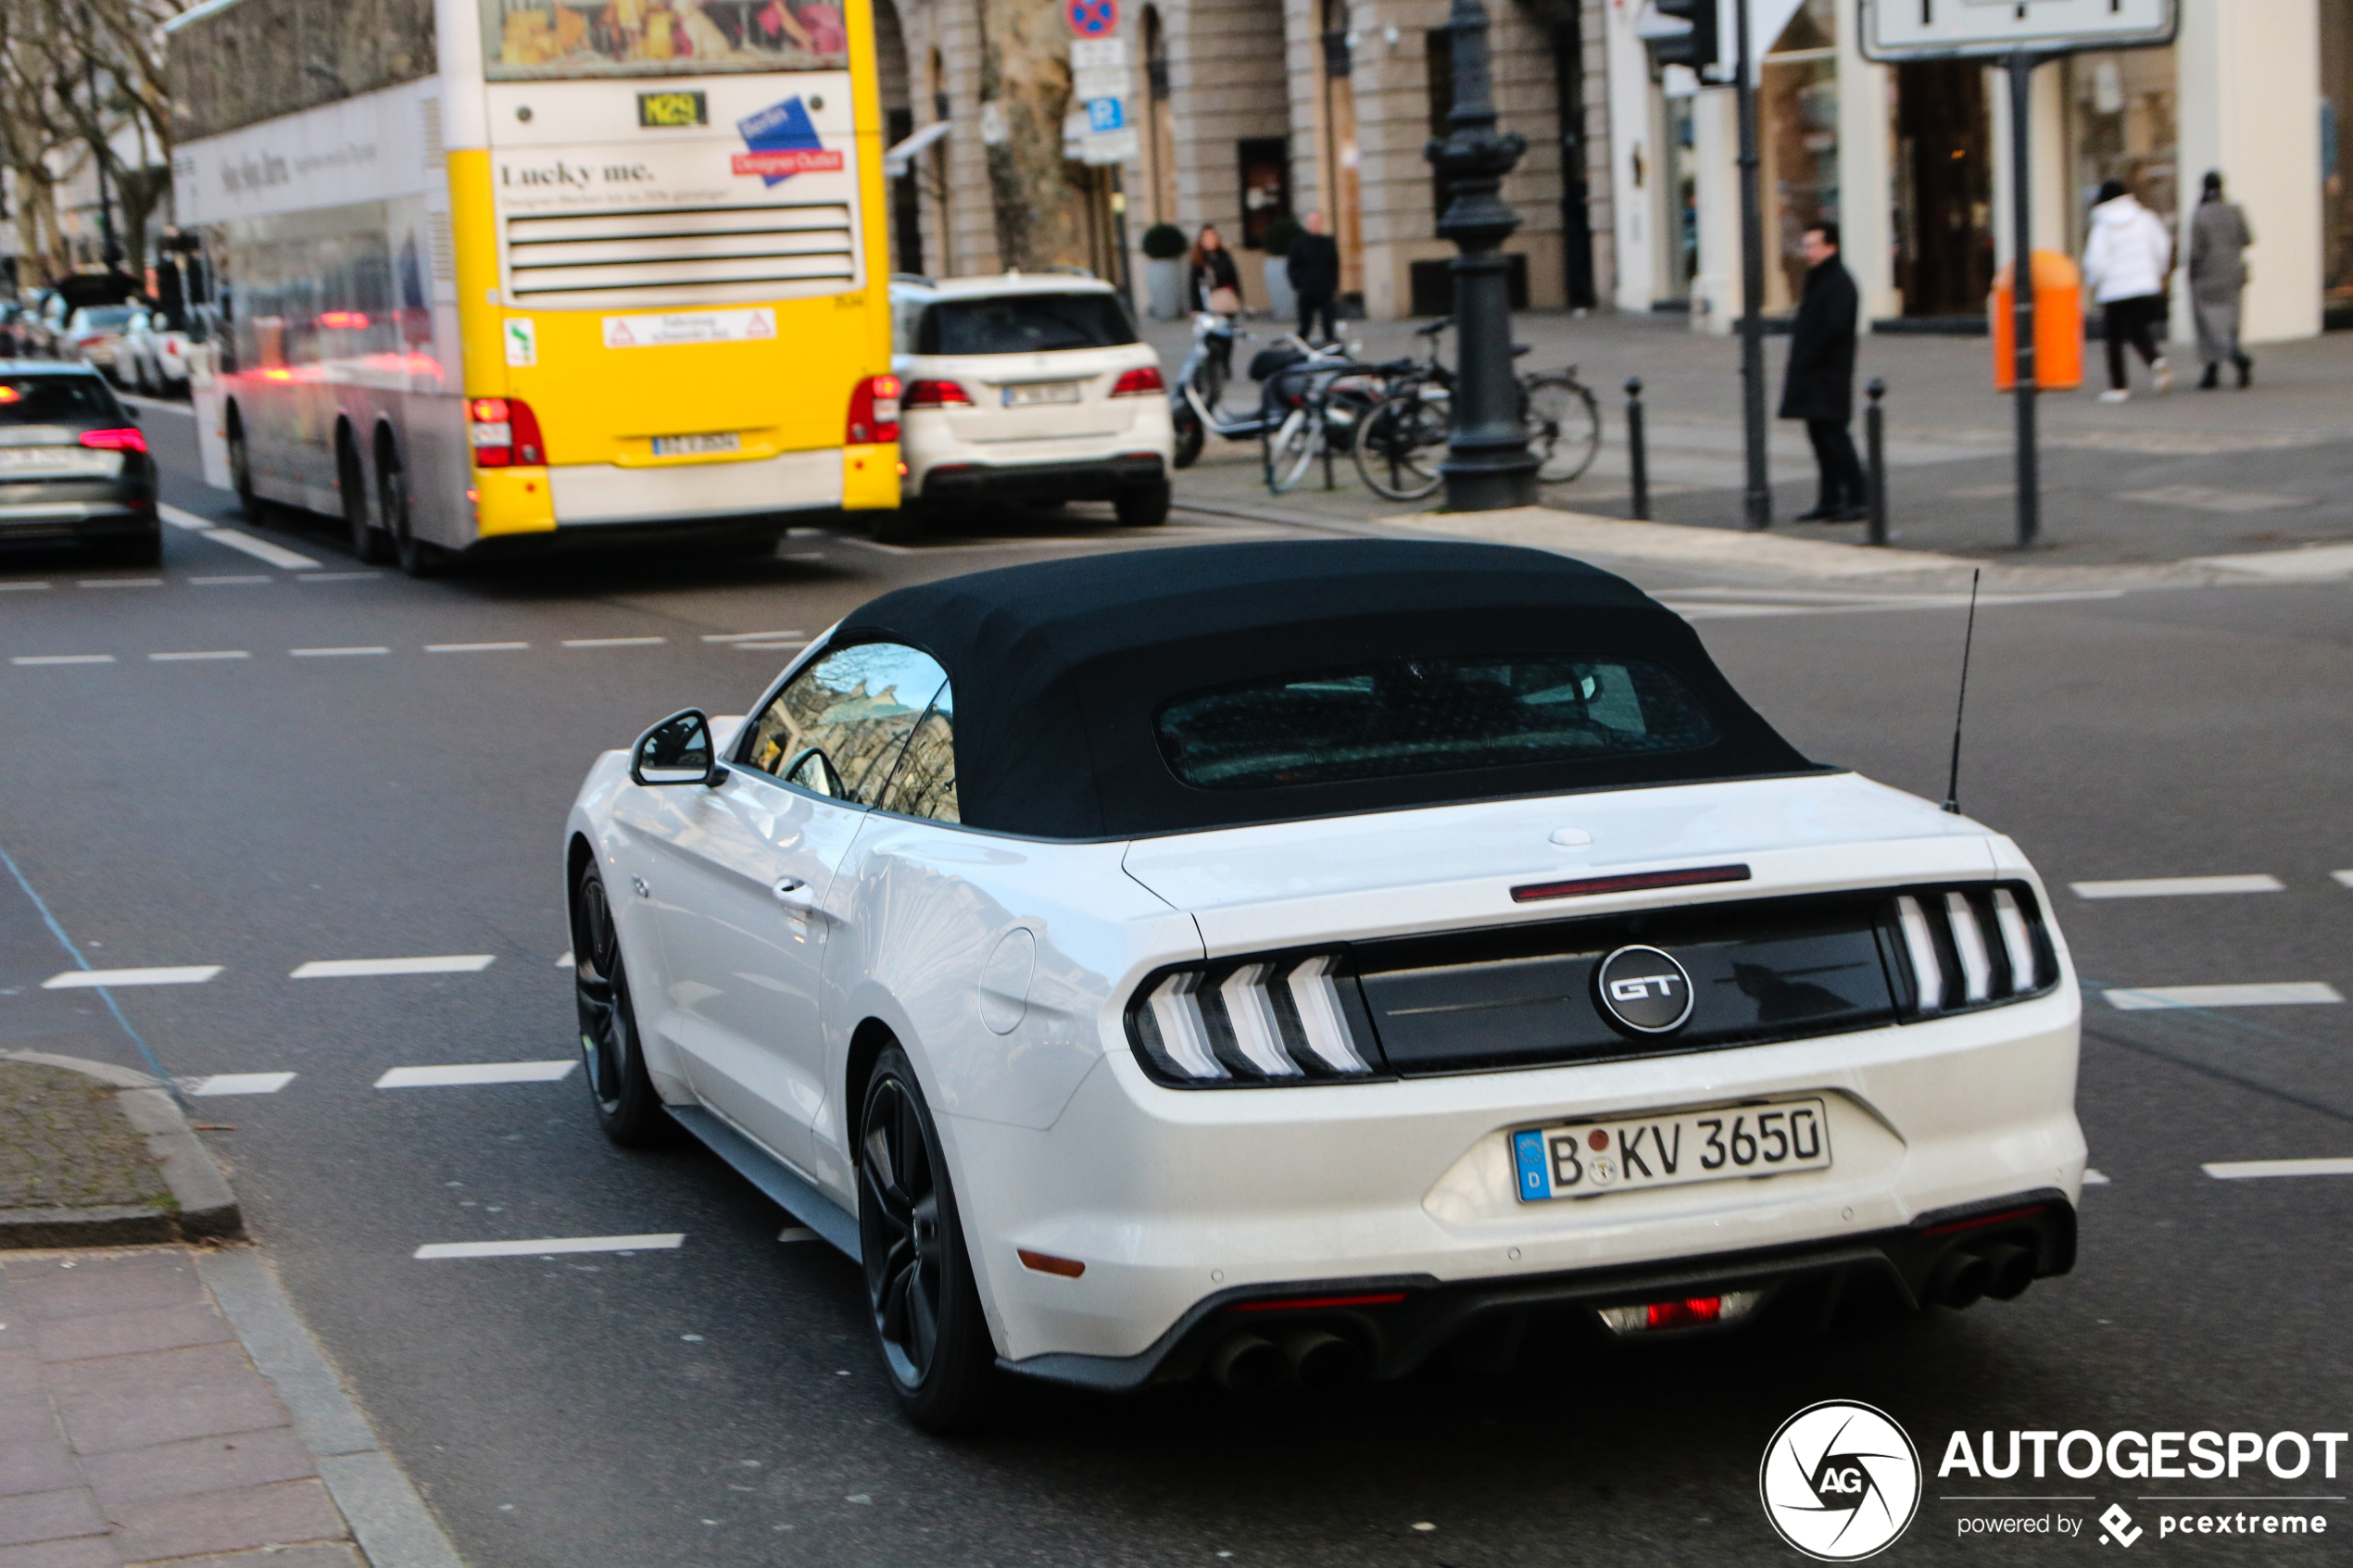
[(720, 1403)]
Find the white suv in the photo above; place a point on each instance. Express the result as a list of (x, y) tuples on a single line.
[(1027, 388)]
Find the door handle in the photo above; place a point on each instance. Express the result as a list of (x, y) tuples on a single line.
[(791, 890)]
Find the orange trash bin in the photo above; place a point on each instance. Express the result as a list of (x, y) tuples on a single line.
[(2058, 325)]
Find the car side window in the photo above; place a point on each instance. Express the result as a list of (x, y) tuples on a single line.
[(924, 784), (838, 726)]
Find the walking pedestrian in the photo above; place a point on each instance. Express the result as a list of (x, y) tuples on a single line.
[(2219, 238), (2126, 261), (1314, 269), (1820, 385), (1211, 283)]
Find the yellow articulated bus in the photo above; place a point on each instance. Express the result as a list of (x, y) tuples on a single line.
[(523, 269)]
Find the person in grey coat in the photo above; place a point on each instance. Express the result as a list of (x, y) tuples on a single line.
[(1818, 387), (2219, 238)]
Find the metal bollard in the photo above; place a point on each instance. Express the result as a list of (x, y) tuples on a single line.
[(1637, 459), (1875, 441)]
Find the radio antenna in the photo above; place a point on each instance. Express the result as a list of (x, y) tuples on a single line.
[(1960, 703)]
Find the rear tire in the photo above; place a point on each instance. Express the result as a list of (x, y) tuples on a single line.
[(928, 1322), (1400, 445), (900, 525), (627, 1108), (415, 558), (369, 543), (142, 552), (241, 468), (1143, 506), (1564, 426)]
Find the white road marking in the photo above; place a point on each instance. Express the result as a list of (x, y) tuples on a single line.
[(748, 636), (348, 968), (261, 549), (179, 519), (763, 647), (2285, 994), (65, 659), (2245, 1170), (463, 1072), (340, 576), (2176, 886), (24, 587), (226, 581), (119, 583), (86, 979), (2092, 1178), (188, 658), (334, 653), (2206, 498), (238, 1084), (473, 648), (565, 962), (614, 642), (2344, 879), (551, 1245), (798, 1233)]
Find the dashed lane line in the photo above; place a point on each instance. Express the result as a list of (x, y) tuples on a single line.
[(748, 636), (2285, 994), (24, 587), (475, 647), (198, 657), (261, 549), (337, 653), (465, 1072), (2343, 879), (2094, 1178), (237, 1083), (614, 642), (180, 519), (342, 576), (90, 979), (119, 583), (2177, 886), (355, 969), (239, 582), (2249, 1169), (64, 659), (548, 1246)]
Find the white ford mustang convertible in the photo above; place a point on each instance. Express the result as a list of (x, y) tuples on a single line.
[(1286, 961)]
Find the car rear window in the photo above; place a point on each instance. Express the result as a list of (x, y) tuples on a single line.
[(1429, 716), (40, 400), (1023, 323)]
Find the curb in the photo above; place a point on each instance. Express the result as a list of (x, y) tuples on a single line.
[(208, 1210)]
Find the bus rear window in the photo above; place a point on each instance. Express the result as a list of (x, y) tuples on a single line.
[(42, 400), (1023, 323), (545, 40)]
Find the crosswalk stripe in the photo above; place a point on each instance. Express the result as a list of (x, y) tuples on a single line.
[(2302, 992), (463, 1072), (2177, 886), (351, 969), (88, 979), (550, 1246)]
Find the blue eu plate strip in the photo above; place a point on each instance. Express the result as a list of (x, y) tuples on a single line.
[(1535, 1178)]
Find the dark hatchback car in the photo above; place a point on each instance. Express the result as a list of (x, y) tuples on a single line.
[(73, 466)]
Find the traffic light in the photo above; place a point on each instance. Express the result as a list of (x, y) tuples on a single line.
[(1680, 33)]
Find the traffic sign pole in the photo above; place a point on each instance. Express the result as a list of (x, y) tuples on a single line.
[(2023, 369)]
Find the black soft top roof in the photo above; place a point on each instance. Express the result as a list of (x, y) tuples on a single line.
[(1060, 667)]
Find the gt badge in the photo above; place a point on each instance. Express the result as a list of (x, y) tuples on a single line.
[(1644, 989)]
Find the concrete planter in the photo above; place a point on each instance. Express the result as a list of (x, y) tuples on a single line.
[(1282, 303), (1164, 288)]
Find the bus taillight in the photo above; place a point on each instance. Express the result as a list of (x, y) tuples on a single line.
[(505, 433), (874, 411)]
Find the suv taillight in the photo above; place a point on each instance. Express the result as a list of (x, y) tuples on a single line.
[(1138, 382), (124, 440), (505, 433), (936, 395), (874, 412), (1968, 947)]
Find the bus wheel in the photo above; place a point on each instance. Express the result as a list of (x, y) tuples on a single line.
[(241, 468), (368, 542), (415, 558)]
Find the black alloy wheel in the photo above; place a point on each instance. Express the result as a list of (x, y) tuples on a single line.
[(627, 1108), (919, 1282)]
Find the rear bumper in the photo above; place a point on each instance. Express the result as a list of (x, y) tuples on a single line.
[(1398, 1322), (122, 518), (1100, 480)]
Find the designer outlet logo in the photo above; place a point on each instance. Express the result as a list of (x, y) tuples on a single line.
[(1841, 1481)]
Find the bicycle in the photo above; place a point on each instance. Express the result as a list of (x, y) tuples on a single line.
[(1403, 437), (1327, 405)]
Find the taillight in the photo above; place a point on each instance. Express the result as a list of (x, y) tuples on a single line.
[(1965, 947), (874, 411), (936, 395), (505, 433), (125, 440), (1263, 1021), (1139, 383)]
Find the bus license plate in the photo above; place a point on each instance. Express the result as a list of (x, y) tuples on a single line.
[(1037, 392), (696, 446), (1632, 1153)]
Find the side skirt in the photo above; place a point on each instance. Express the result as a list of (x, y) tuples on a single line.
[(763, 1170)]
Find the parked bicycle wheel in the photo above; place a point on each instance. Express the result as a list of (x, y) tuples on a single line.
[(1400, 444), (1563, 427), (1295, 447)]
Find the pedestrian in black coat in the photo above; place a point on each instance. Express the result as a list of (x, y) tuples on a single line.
[(1820, 387), (1313, 266)]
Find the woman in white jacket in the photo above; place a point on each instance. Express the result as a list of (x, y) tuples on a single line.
[(2126, 262)]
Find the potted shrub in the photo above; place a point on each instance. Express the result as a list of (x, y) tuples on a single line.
[(1165, 247), (1282, 303)]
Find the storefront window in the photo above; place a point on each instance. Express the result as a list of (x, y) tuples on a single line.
[(2336, 151), (1797, 134), (2120, 126)]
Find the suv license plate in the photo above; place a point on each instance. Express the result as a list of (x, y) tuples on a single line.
[(58, 460), (1633, 1153), (1037, 392), (696, 446)]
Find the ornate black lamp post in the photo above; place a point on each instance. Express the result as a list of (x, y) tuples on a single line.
[(1488, 464)]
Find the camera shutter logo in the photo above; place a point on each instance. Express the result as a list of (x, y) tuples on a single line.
[(1644, 989), (1841, 1481)]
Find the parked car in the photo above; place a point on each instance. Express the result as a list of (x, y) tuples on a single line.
[(1285, 961), (91, 333), (1026, 388), (74, 464), (17, 334), (152, 355)]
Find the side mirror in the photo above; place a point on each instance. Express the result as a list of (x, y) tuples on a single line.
[(677, 751)]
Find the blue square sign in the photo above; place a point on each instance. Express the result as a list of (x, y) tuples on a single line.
[(1104, 114)]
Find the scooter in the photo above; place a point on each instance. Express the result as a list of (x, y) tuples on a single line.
[(1194, 400)]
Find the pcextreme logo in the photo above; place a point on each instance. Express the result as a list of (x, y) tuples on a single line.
[(1841, 1481)]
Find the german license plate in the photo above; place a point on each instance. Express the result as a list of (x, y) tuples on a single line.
[(57, 460), (1676, 1149), (696, 446), (1032, 394)]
